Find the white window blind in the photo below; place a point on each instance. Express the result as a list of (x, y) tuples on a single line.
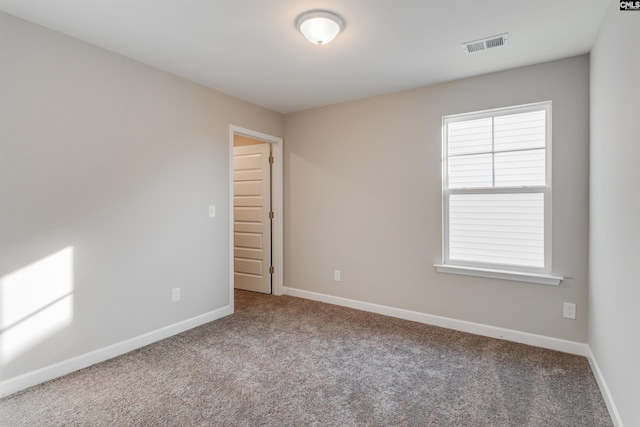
[(496, 188), (503, 229)]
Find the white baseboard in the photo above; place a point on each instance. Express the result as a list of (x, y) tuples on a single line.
[(13, 385), (604, 389), (564, 346)]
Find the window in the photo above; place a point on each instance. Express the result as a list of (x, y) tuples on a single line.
[(497, 193)]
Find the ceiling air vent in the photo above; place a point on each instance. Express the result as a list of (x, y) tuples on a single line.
[(488, 43)]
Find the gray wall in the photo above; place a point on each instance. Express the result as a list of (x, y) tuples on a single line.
[(614, 267), (363, 195), (119, 162)]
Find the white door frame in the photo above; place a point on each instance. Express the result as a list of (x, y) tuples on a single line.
[(277, 287)]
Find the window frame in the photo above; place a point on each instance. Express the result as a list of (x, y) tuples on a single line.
[(497, 270)]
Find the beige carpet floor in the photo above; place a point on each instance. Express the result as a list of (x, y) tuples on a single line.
[(284, 361)]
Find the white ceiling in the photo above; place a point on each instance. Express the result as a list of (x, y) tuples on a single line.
[(250, 49)]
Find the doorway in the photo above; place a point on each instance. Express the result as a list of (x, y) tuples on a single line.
[(255, 211), (252, 214)]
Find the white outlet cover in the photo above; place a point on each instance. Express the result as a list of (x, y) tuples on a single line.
[(175, 295), (569, 310), (336, 275), (212, 211)]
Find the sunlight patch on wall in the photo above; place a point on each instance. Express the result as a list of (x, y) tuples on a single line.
[(35, 302)]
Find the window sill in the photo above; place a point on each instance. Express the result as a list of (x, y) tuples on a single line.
[(543, 279)]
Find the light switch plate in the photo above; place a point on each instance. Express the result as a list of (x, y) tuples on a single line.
[(212, 211)]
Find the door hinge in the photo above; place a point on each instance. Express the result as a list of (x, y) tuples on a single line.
[(271, 215), (272, 270), (271, 159)]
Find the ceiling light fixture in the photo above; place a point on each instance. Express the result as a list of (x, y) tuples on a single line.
[(320, 26)]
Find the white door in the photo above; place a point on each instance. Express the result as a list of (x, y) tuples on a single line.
[(252, 225)]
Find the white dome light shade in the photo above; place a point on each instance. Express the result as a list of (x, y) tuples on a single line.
[(320, 26)]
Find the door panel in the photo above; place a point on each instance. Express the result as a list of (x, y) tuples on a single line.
[(247, 187), (249, 215), (252, 226), (249, 267), (248, 240)]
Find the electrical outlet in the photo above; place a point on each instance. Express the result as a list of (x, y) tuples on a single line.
[(336, 275), (212, 211), (569, 310), (175, 295)]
